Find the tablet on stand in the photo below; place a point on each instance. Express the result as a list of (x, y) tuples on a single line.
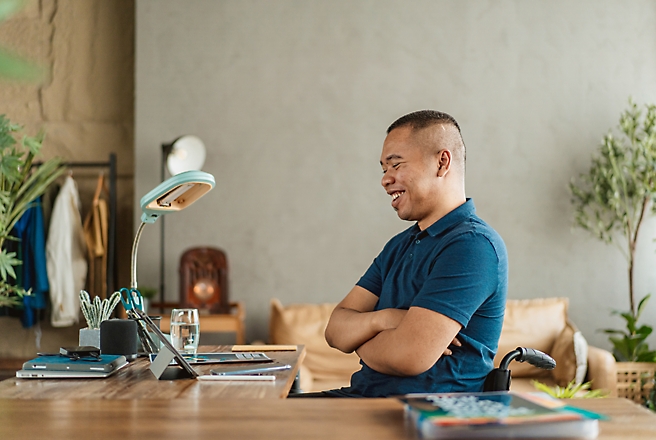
[(160, 366)]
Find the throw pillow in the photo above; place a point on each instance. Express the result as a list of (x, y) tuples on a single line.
[(571, 355)]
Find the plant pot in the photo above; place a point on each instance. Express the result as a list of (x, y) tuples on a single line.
[(90, 337), (635, 380)]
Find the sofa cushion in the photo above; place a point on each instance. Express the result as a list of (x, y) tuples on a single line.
[(305, 324), (531, 323), (570, 352)]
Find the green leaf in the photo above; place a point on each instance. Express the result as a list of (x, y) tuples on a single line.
[(613, 331), (10, 167), (10, 7), (641, 305), (20, 185), (644, 330), (648, 356), (33, 144), (7, 263), (18, 68), (571, 390)]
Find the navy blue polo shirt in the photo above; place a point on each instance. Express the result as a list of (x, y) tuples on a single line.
[(458, 267)]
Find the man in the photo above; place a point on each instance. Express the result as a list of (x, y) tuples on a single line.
[(427, 314)]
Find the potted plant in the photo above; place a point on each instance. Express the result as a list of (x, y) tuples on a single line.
[(95, 312), (570, 391), (147, 294), (20, 185), (612, 201)]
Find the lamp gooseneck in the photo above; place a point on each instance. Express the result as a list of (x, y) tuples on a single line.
[(133, 260)]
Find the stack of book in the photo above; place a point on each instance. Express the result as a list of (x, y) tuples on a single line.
[(501, 414)]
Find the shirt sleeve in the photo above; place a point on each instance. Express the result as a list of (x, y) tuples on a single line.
[(463, 276), (372, 280)]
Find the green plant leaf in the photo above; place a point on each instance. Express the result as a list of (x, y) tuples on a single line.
[(641, 305), (7, 261), (648, 356), (18, 68), (10, 7), (11, 296), (20, 186), (571, 390), (610, 202), (10, 166), (644, 331), (613, 331)]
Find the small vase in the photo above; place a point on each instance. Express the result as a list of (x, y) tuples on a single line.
[(90, 337)]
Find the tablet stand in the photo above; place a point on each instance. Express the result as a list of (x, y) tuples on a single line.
[(160, 366)]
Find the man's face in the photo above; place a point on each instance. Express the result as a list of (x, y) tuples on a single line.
[(409, 175)]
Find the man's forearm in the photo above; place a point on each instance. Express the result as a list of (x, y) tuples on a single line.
[(407, 349), (348, 329), (385, 355)]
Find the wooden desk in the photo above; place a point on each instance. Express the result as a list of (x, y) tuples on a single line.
[(136, 381), (283, 419)]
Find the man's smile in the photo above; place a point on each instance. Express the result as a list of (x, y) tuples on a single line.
[(395, 197)]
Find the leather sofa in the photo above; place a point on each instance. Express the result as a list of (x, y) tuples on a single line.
[(540, 323)]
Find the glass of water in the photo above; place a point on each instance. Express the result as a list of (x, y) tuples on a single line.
[(185, 330)]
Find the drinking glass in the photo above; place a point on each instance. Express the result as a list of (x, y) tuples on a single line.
[(185, 330)]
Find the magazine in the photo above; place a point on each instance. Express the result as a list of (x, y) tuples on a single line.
[(497, 415)]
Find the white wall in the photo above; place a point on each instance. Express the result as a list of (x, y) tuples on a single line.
[(293, 98)]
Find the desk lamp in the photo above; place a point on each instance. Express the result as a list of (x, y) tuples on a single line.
[(174, 194), (185, 153)]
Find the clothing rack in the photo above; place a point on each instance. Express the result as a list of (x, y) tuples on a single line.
[(112, 275)]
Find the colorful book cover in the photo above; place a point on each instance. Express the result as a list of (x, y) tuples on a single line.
[(495, 414)]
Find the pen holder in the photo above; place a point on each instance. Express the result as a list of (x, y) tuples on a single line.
[(153, 336), (89, 337)]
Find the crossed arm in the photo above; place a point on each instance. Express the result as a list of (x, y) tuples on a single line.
[(391, 341)]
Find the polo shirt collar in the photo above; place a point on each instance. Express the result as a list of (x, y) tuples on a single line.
[(458, 215)]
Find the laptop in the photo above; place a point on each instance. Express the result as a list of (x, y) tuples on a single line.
[(54, 374), (60, 367), (105, 363)]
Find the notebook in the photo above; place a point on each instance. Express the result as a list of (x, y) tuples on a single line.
[(104, 364)]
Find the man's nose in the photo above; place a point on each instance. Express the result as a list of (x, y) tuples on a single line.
[(387, 179)]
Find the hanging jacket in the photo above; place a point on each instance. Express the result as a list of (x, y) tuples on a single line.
[(65, 255), (32, 252)]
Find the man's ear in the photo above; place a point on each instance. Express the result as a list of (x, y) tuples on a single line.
[(443, 162)]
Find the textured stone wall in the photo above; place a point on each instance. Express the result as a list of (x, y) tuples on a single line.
[(86, 107)]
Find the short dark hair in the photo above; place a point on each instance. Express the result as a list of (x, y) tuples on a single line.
[(422, 119), (426, 118)]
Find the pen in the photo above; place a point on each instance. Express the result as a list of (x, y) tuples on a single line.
[(244, 377)]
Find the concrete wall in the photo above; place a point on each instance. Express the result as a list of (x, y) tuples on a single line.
[(86, 108), (292, 99)]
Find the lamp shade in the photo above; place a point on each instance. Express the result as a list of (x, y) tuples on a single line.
[(175, 194), (186, 153)]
